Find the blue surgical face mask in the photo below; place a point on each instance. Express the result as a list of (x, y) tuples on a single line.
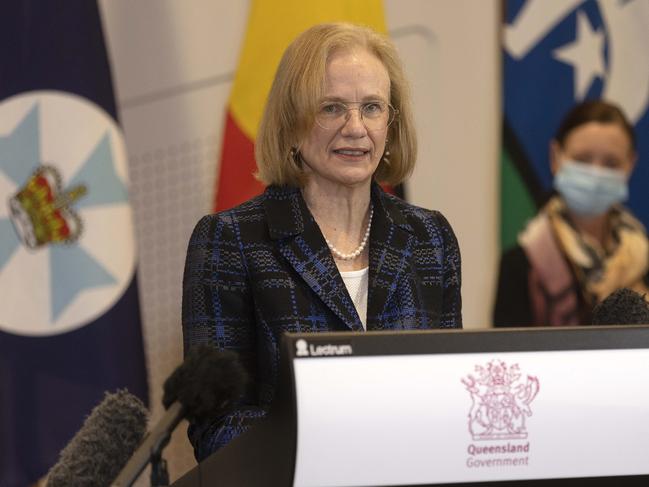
[(590, 190)]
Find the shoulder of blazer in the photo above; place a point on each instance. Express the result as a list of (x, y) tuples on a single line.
[(246, 213), (277, 213), (424, 224), (284, 211), (246, 210)]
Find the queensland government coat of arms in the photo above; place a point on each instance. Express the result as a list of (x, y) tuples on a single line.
[(501, 401)]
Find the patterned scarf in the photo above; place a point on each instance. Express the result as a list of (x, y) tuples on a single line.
[(571, 272)]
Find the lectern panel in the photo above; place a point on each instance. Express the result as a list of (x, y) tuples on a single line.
[(532, 407), (528, 407), (445, 418)]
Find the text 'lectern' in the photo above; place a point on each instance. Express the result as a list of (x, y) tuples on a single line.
[(496, 407)]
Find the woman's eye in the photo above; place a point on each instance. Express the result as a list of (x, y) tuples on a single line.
[(372, 108), (583, 158), (332, 109), (612, 163)]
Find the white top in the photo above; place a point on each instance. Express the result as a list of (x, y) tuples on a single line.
[(356, 284)]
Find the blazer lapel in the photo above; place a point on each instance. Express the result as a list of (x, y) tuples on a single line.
[(392, 241), (302, 244)]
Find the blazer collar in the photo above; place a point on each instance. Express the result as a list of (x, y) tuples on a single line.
[(286, 211), (387, 203), (288, 215), (392, 241), (301, 242)]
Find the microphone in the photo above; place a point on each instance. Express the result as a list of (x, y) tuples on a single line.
[(108, 437), (623, 307), (205, 386)]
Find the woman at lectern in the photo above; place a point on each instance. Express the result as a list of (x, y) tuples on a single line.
[(583, 244), (324, 248)]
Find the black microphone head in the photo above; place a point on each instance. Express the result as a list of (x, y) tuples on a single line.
[(103, 445), (623, 307), (208, 383)]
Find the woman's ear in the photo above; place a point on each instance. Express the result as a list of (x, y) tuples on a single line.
[(555, 156)]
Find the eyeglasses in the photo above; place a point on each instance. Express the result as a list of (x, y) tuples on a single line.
[(376, 115)]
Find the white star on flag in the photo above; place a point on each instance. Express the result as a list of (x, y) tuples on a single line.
[(586, 54)]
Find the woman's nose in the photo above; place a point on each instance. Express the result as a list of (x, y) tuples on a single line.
[(354, 123)]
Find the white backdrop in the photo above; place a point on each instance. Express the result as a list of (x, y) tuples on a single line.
[(173, 63)]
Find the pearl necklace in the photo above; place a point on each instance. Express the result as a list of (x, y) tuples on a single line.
[(359, 250)]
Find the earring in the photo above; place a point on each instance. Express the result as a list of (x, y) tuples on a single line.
[(386, 154), (294, 155)]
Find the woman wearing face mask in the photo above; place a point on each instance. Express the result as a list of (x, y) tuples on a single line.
[(583, 244)]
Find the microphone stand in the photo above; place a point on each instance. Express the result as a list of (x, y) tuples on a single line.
[(150, 451), (159, 472)]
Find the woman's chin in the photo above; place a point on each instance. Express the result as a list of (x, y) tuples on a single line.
[(353, 180), (347, 177)]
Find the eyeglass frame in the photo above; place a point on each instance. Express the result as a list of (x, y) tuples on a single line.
[(391, 110)]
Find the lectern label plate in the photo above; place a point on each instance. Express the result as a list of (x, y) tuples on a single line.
[(444, 418)]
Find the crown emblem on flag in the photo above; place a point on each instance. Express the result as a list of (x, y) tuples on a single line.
[(41, 210)]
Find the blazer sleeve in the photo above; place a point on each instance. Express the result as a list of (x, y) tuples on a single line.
[(217, 309), (513, 306), (452, 278), (444, 244)]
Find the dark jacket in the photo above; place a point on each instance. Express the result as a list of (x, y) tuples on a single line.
[(513, 305), (264, 268)]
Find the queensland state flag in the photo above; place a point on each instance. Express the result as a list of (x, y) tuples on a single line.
[(558, 53), (272, 25), (69, 313)]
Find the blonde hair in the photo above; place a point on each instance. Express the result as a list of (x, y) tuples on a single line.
[(297, 89)]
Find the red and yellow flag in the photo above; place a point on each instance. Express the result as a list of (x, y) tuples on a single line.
[(272, 25)]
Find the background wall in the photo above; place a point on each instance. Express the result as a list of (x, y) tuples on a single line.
[(173, 64)]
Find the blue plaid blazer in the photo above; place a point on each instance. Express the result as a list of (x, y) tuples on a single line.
[(264, 268)]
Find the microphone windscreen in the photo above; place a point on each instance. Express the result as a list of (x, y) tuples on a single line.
[(103, 445), (623, 307), (207, 384)]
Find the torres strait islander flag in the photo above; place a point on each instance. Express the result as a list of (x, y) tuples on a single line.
[(272, 25), (69, 313), (558, 53)]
